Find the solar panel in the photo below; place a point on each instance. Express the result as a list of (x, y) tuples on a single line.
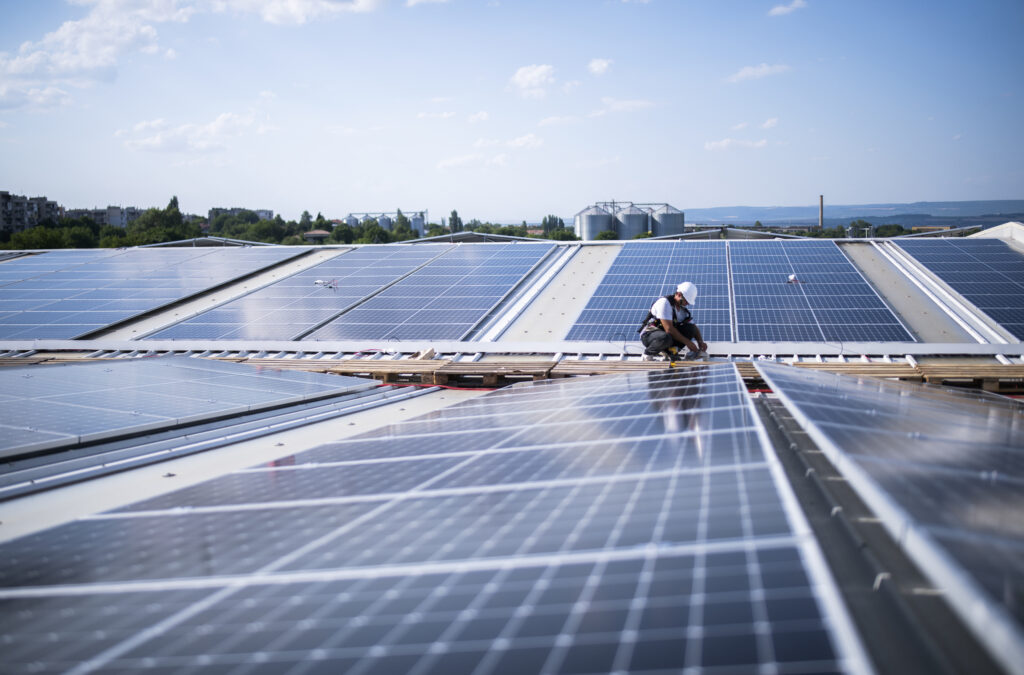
[(987, 272), (442, 301), (829, 300), (944, 469), (53, 406), (67, 295), (292, 307), (644, 271), (613, 524)]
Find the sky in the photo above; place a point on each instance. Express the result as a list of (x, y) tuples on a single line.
[(509, 110)]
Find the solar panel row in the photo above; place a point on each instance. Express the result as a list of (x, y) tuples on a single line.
[(943, 469), (297, 304), (67, 294), (444, 300), (624, 523), (829, 301), (64, 405), (642, 272), (987, 272)]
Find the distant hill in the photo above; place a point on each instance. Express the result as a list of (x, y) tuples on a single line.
[(954, 214)]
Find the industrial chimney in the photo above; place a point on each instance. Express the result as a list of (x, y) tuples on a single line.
[(821, 212)]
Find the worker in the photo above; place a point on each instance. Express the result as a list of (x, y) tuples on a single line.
[(669, 326)]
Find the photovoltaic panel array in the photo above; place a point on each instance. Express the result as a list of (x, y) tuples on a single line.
[(987, 272), (643, 271), (291, 307), (53, 406), (629, 523), (442, 301), (944, 469), (64, 295), (830, 300)]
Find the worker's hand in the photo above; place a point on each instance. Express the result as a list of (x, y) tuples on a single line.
[(703, 346)]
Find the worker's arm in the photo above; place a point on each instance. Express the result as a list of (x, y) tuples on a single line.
[(700, 339), (671, 329)]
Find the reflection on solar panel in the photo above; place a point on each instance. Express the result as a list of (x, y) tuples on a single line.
[(442, 301), (623, 523), (53, 406), (291, 307), (830, 300), (77, 292), (944, 470), (641, 273), (987, 272)]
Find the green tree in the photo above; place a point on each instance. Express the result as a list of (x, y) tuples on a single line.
[(606, 234), (643, 235), (79, 236), (454, 222), (562, 235), (306, 221)]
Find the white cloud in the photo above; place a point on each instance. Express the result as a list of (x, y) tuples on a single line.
[(435, 116), (770, 123), (612, 105), (84, 51), (957, 137), (531, 80), (481, 116), (295, 11), (728, 143), (740, 126), (27, 96), (527, 141), (599, 66), (757, 72), (158, 136), (567, 87), (780, 10)]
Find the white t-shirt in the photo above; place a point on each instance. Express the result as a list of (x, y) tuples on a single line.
[(663, 309)]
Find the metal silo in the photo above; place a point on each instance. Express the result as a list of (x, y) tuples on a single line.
[(592, 220), (630, 221), (385, 222), (417, 223), (667, 220), (351, 221)]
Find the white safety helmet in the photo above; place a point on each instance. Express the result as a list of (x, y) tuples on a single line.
[(689, 292)]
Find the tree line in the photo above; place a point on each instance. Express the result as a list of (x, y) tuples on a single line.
[(156, 226)]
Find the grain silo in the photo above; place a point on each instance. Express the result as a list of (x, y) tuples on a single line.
[(351, 221), (385, 221), (417, 223), (592, 220), (667, 220), (630, 221)]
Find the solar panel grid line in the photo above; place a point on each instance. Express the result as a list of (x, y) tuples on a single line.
[(972, 267), (733, 304), (989, 613), (301, 288), (610, 513)]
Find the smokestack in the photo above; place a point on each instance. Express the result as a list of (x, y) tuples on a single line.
[(821, 212)]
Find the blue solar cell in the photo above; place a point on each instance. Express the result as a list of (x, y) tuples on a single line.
[(122, 283), (986, 271), (643, 271), (482, 273)]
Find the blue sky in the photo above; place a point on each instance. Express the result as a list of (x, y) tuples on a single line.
[(508, 110)]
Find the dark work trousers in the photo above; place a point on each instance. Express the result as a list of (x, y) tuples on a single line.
[(656, 341)]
